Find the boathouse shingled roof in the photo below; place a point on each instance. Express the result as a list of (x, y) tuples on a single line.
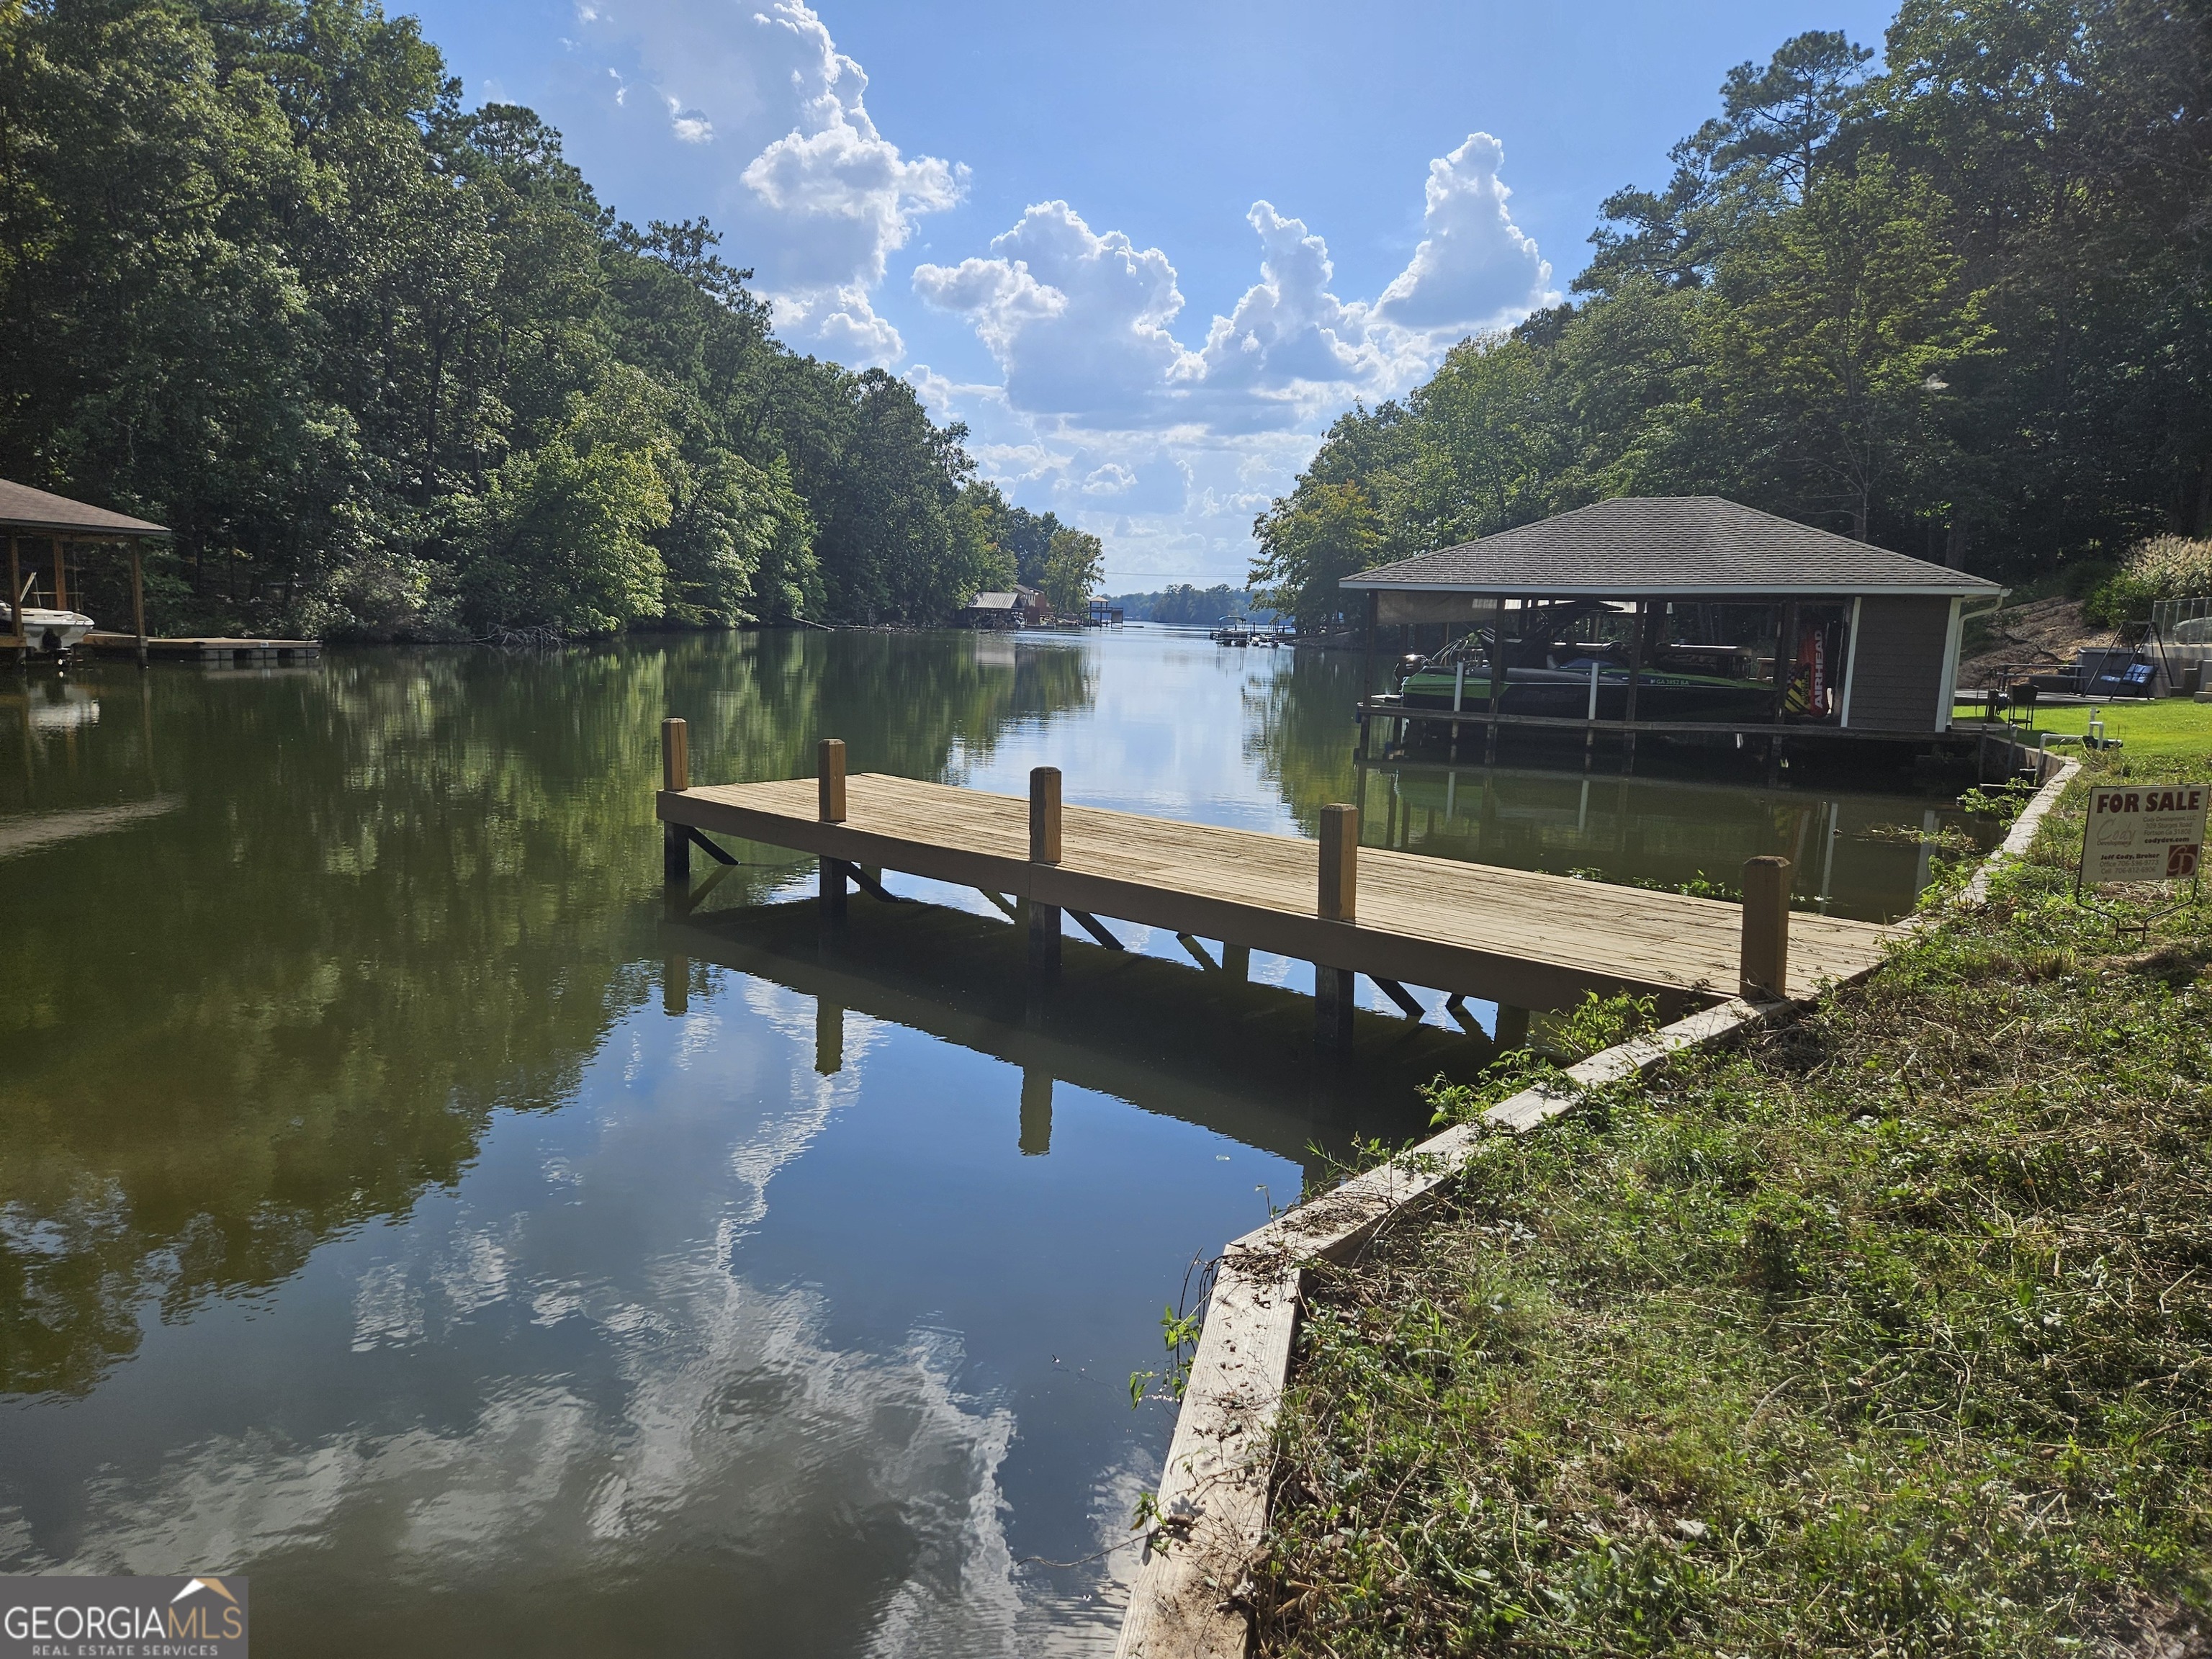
[(22, 507), (1655, 545)]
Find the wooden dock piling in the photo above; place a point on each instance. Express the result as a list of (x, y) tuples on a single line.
[(1338, 900), (1765, 967), (829, 778), (830, 781), (1036, 1112), (675, 778), (1044, 848)]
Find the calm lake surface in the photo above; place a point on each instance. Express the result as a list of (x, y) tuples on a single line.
[(397, 1204)]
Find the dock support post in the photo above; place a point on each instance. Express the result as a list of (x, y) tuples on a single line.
[(830, 774), (16, 602), (1036, 1112), (1237, 961), (138, 601), (1511, 1030), (675, 778), (1337, 899), (1496, 679), (828, 1037), (1044, 848), (1765, 967), (1333, 990), (676, 986)]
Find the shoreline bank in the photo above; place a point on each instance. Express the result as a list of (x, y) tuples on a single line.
[(1197, 1594)]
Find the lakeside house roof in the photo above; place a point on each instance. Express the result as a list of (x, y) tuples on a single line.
[(993, 602), (1668, 545), (22, 507)]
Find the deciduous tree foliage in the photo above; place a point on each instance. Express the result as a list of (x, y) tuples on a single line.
[(1074, 564), (389, 367), (1962, 308)]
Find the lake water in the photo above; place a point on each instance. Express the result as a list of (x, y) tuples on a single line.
[(400, 1204)]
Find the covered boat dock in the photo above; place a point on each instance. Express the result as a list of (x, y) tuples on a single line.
[(1687, 618), (40, 515)]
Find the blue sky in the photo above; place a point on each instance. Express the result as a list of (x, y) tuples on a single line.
[(1147, 250)]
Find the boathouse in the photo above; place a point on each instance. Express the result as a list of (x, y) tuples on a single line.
[(28, 514), (1682, 615), (1022, 608)]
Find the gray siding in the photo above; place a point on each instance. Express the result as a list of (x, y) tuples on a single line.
[(1896, 682)]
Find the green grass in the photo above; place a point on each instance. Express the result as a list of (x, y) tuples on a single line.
[(2170, 726), (1888, 1332)]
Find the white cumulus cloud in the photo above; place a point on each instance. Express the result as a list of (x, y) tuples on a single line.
[(1078, 321), (1105, 416), (1289, 328), (1475, 267), (774, 137)]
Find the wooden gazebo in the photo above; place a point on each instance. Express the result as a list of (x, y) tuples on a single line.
[(30, 514)]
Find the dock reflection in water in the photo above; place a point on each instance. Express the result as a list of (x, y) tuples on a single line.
[(397, 1206)]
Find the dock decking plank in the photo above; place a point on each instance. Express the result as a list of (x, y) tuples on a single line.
[(1521, 937)]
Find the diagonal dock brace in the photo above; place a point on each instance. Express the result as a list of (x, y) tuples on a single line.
[(1405, 999), (1097, 930)]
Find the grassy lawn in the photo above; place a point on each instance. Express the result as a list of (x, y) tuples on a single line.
[(2168, 726), (1888, 1332)]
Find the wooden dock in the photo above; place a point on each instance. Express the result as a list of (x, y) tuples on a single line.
[(220, 653), (1519, 937)]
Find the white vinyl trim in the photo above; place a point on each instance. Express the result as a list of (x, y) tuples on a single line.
[(1850, 668), (1949, 688)]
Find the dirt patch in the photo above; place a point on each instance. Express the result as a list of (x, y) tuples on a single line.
[(2042, 631)]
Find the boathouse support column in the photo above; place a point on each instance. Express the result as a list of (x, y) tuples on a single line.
[(1044, 848), (1497, 678), (1637, 645), (16, 601), (138, 601), (1337, 899), (675, 777), (61, 577), (829, 775), (1765, 968)]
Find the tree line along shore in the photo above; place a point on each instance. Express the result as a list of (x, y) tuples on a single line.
[(390, 369), (1957, 302)]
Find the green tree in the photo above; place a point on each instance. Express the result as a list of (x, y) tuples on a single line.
[(1308, 542), (1836, 325), (269, 282), (1963, 308), (1074, 564)]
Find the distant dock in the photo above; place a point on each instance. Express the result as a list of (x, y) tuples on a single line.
[(218, 653), (1520, 938)]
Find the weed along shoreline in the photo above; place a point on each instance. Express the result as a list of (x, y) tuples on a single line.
[(1222, 1562)]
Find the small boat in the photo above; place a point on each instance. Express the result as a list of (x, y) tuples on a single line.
[(55, 633)]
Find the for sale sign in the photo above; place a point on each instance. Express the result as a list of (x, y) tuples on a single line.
[(2153, 834)]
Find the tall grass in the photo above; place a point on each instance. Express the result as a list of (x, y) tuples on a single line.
[(1888, 1332)]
